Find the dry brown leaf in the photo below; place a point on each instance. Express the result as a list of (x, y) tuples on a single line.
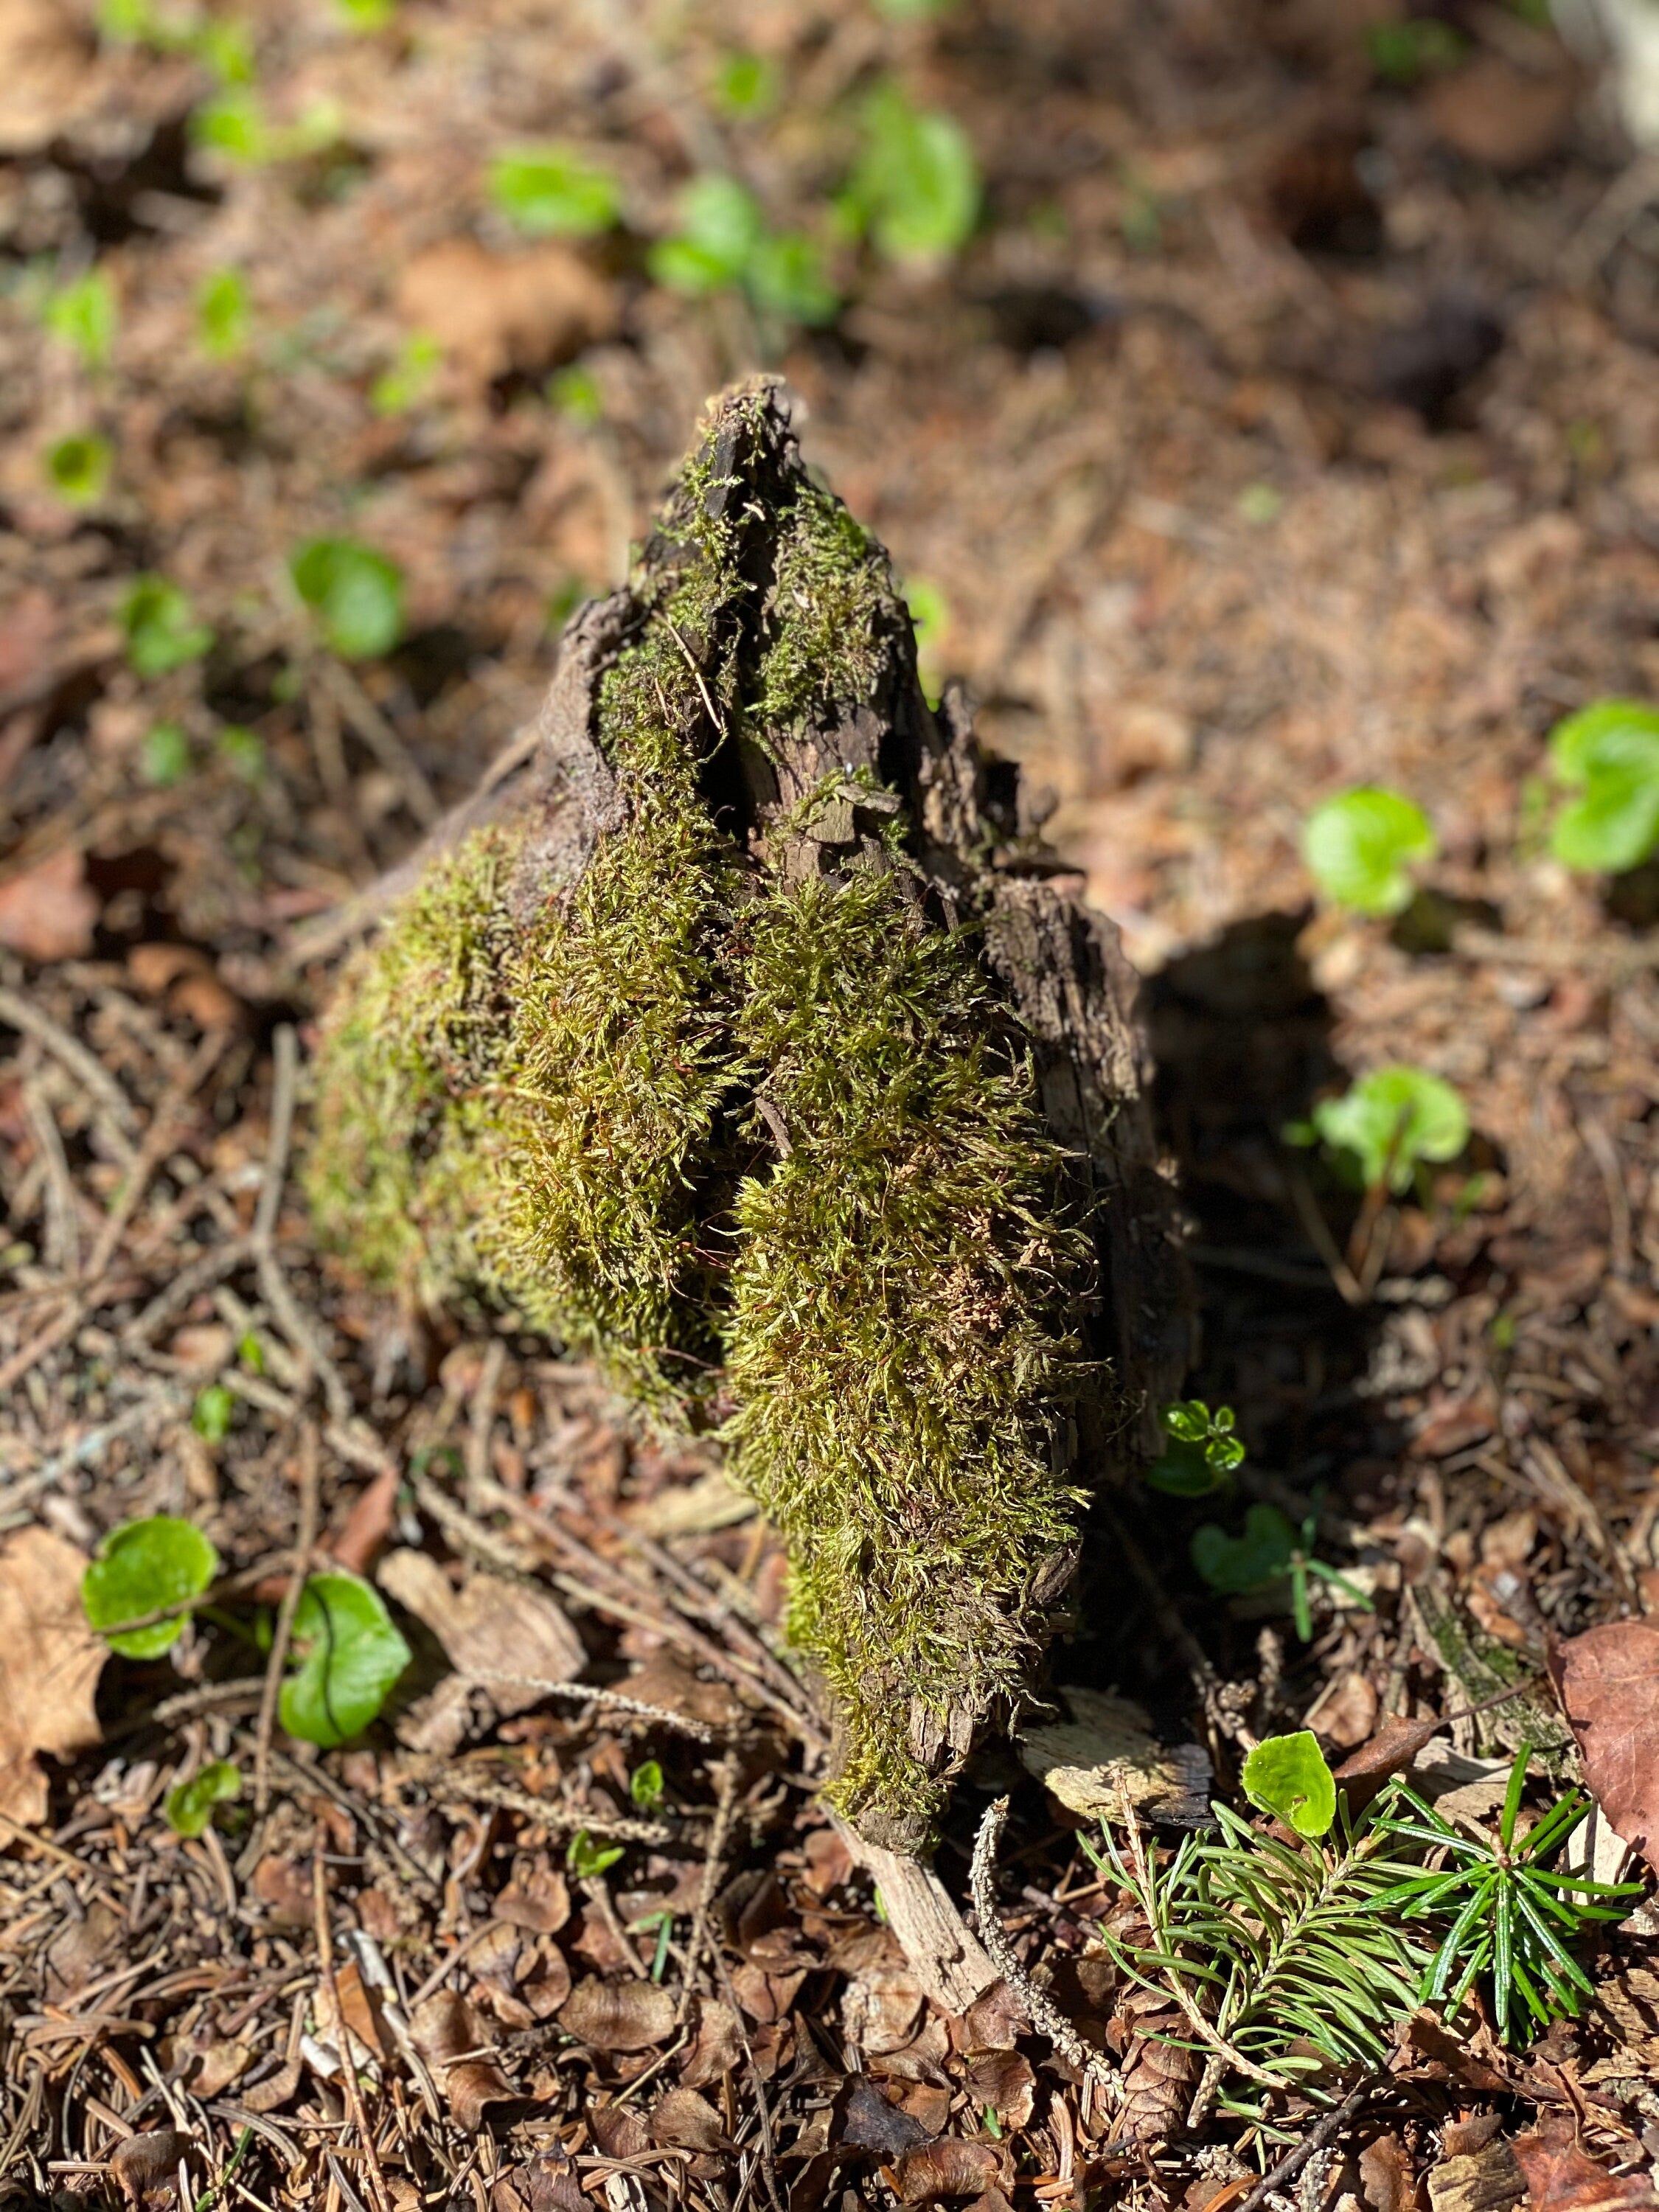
[(765, 1997), (489, 1625), (373, 1517), (1607, 1680), (828, 1861), (1559, 2177), (1106, 1749), (548, 2183), (29, 625), (951, 2168), (1389, 1752), (44, 80), (1505, 117), (442, 2028), (274, 2092), (491, 312), (618, 2015), (78, 1950), (1387, 2179), (716, 2047), (1003, 2081), (619, 2131), (1346, 1710), (872, 2123), (995, 2020), (284, 1889), (663, 1681), (537, 1896), (148, 2161), (881, 2009), (50, 1663), (47, 913), (685, 2121)]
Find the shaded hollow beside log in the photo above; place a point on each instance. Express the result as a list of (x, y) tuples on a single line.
[(734, 1036)]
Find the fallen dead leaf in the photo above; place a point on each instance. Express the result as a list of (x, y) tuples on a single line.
[(29, 626), (618, 2015), (47, 913), (881, 2008), (1607, 1680), (1387, 2179), (76, 1952), (1003, 2081), (683, 2120), (995, 2020), (489, 1625), (1345, 1711), (716, 2047), (1106, 1749), (44, 80), (619, 2131), (373, 1517), (443, 2027), (494, 312), (548, 2183), (1559, 2177), (951, 2168), (872, 2123), (828, 1861), (283, 1888), (1389, 1752), (148, 2161), (1505, 117), (50, 1663), (537, 1897)]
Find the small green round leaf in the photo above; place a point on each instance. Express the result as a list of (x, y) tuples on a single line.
[(1392, 1118), (213, 1412), (78, 466), (189, 1805), (1357, 848), (1609, 755), (356, 594), (141, 1567), (1184, 1469), (161, 625), (350, 1655), (1287, 1777), (164, 757), (549, 191), (1233, 1564), (645, 1785), (916, 185)]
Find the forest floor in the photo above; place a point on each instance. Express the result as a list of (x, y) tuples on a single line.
[(1290, 421)]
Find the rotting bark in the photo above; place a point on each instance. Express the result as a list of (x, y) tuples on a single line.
[(746, 717)]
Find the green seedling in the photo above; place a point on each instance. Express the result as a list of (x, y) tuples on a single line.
[(83, 315), (355, 593), (350, 1655), (1202, 1449), (409, 381), (746, 85), (213, 1412), (77, 467), (234, 124), (1607, 755), (1390, 1123), (645, 1785), (576, 393), (1359, 846), (161, 629), (188, 1807), (141, 1568), (1514, 1919), (1287, 1777), (243, 752), (724, 244), (1268, 1552), (222, 314), (1403, 53), (586, 1859), (164, 756), (915, 190), (554, 192), (367, 15)]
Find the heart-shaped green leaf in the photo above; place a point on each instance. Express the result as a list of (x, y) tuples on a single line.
[(1391, 1120), (1233, 1564), (1357, 848), (356, 594), (1287, 1777), (349, 1654), (1610, 754), (141, 1567)]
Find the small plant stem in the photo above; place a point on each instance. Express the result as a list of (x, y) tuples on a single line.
[(1045, 2015), (727, 1771), (1324, 2131), (1319, 1235), (348, 2060), (305, 1542)]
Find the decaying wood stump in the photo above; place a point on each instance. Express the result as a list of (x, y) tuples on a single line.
[(738, 1033)]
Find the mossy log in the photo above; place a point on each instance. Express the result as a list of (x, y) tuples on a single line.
[(737, 1035)]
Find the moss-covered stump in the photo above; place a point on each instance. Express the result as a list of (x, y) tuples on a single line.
[(735, 1037)]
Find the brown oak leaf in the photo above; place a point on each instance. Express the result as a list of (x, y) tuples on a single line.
[(1561, 2178), (50, 1663), (1607, 1680)]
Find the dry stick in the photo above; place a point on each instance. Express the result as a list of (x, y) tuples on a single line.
[(273, 1284), (1324, 2132), (610, 1701), (347, 2057), (383, 741), (557, 1818), (727, 1771), (305, 1542), (482, 1421), (21, 1014), (1044, 2014)]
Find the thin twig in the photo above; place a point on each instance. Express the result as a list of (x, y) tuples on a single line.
[(22, 1014), (347, 2056), (305, 1542), (714, 1857), (1040, 2008), (558, 1819), (312, 1355), (610, 1701), (1324, 2131)]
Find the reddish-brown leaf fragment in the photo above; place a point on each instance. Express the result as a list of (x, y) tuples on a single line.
[(1387, 2180), (951, 2168), (1607, 1680), (618, 2015), (1561, 2178), (148, 2162), (442, 2029), (1389, 1752), (1003, 2081), (682, 2120), (47, 913)]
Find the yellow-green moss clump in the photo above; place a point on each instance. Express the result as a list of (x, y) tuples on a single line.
[(742, 1114)]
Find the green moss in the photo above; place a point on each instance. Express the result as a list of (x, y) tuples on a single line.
[(742, 1137)]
